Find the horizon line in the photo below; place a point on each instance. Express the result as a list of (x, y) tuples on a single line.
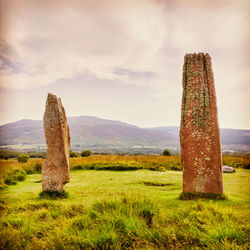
[(3, 124)]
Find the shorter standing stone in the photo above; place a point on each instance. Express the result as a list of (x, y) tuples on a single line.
[(55, 169)]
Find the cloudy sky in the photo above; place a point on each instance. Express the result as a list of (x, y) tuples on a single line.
[(121, 59)]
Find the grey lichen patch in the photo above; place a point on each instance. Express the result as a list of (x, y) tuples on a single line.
[(196, 135)]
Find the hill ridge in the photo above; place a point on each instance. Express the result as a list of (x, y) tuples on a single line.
[(89, 131)]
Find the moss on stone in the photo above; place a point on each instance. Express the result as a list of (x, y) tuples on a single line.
[(200, 195), (197, 73)]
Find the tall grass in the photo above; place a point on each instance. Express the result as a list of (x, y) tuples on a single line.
[(154, 161), (129, 222), (12, 171), (237, 161)]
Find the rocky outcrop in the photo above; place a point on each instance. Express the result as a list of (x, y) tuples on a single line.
[(199, 131), (55, 169), (228, 169)]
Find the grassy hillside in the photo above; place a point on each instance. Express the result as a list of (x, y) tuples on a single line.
[(121, 210)]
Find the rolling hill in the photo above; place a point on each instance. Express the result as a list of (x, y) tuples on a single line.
[(92, 132)]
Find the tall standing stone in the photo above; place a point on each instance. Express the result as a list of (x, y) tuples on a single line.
[(199, 131), (55, 169)]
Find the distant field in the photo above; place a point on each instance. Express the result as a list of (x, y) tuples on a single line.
[(9, 168)]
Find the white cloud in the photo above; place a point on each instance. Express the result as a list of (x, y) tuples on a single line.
[(68, 41), (147, 39)]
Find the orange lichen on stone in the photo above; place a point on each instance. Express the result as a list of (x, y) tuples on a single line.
[(199, 131), (56, 168)]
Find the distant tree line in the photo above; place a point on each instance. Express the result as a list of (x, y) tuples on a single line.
[(6, 154)]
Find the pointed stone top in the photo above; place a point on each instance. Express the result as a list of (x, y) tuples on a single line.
[(54, 109), (53, 99), (197, 58), (51, 94), (199, 55)]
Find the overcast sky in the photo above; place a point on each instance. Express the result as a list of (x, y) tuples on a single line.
[(121, 59)]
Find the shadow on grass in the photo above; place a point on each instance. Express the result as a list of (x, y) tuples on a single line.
[(53, 195), (156, 184), (195, 196)]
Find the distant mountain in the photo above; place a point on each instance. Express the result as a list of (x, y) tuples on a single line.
[(23, 131), (89, 131), (85, 131), (229, 136)]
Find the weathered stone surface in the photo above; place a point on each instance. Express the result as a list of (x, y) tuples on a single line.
[(228, 169), (55, 169), (199, 131)]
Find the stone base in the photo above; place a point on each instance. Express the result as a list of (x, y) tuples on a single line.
[(195, 196), (54, 195)]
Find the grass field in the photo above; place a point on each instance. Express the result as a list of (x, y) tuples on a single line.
[(123, 209), (12, 171)]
